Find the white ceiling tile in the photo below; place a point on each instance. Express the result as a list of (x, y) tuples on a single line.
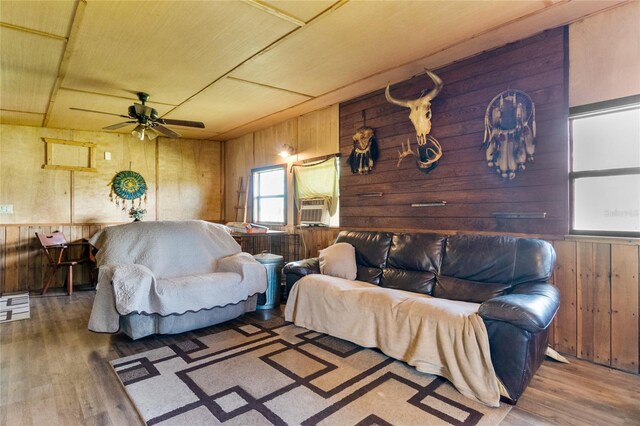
[(52, 17), (182, 53), (230, 103), (362, 38), (168, 49), (193, 133), (28, 70)]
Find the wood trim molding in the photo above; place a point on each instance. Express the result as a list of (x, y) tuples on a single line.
[(49, 160)]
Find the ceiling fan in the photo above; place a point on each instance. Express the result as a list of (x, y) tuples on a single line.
[(149, 124)]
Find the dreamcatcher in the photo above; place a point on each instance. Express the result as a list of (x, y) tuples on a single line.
[(130, 186), (510, 132), (364, 152)]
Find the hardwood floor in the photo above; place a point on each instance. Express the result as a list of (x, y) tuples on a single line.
[(54, 371)]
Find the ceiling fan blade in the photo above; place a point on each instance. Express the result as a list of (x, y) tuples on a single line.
[(119, 125), (99, 112), (184, 123), (142, 109), (165, 131)]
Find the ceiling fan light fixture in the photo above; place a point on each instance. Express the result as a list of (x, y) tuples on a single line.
[(138, 132), (151, 134), (149, 122)]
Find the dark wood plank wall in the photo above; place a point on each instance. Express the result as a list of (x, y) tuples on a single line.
[(471, 189), (23, 265)]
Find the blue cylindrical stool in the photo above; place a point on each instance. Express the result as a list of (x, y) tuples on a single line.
[(273, 263)]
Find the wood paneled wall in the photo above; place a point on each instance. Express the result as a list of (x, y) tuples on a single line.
[(598, 316), (184, 179), (312, 135), (472, 190), (23, 265), (184, 175), (190, 176)]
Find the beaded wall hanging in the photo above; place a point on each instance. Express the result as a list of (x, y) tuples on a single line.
[(128, 185)]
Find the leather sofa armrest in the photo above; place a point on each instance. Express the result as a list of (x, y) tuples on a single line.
[(530, 306), (303, 267)]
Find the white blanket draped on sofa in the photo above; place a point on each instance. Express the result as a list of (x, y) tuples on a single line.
[(437, 336), (169, 268)]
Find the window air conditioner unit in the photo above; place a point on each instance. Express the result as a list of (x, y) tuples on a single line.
[(314, 212)]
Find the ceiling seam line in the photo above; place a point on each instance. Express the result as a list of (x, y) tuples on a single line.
[(21, 112), (513, 21), (269, 86), (32, 31), (66, 57), (275, 12), (335, 6)]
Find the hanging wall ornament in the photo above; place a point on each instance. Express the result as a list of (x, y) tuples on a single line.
[(364, 152), (510, 132), (126, 186)]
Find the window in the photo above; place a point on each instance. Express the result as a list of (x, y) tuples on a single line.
[(269, 195), (316, 187), (605, 168)]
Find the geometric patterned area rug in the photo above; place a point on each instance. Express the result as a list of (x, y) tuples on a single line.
[(14, 307), (272, 372)]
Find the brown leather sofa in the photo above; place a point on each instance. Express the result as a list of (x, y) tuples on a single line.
[(508, 276)]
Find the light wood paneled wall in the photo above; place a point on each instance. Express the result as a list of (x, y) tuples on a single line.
[(190, 176), (185, 174), (34, 192), (312, 135), (238, 161)]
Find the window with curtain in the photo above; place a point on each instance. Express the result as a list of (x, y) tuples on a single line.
[(269, 195), (318, 180), (605, 168)]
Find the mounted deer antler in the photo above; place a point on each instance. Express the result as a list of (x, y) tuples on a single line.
[(420, 116), (405, 152), (433, 154)]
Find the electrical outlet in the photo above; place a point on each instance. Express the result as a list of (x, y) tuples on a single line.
[(107, 155), (6, 208)]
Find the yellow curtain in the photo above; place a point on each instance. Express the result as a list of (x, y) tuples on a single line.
[(319, 180)]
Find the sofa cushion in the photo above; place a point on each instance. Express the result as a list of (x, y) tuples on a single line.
[(416, 252), (467, 291), (415, 281), (480, 258), (372, 249), (413, 262), (369, 275), (339, 260), (497, 259)]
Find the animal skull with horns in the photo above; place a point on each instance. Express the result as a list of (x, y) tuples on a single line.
[(429, 149)]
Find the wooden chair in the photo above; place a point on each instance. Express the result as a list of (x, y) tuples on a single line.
[(56, 248)]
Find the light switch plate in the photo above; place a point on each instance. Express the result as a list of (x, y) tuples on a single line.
[(107, 155), (6, 208)]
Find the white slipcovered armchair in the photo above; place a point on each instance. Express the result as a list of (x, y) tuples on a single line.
[(171, 276)]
